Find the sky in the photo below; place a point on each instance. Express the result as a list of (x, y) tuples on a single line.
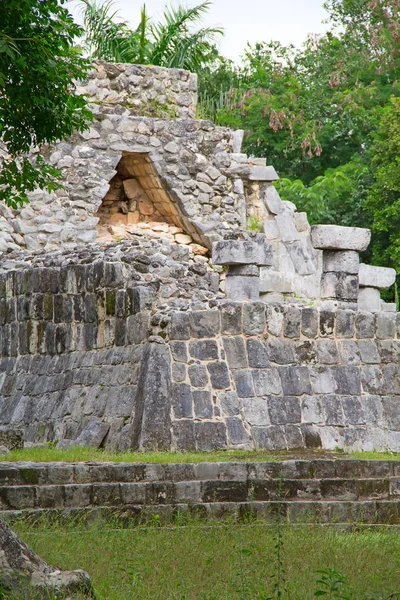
[(289, 21)]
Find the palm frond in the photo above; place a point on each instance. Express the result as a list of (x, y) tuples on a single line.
[(175, 30), (192, 51), (106, 38)]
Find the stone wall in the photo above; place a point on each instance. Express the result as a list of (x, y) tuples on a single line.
[(281, 377), (77, 332), (144, 90), (100, 353)]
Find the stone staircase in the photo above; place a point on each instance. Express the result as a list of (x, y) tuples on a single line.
[(326, 491)]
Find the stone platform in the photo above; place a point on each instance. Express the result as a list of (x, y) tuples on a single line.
[(307, 491)]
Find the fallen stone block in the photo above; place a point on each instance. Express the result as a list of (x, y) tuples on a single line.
[(334, 237)]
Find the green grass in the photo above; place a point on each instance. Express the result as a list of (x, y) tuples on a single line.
[(218, 561), (49, 453)]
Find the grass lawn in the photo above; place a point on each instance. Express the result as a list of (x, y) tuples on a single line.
[(49, 453), (219, 561)]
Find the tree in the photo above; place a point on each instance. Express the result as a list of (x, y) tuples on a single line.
[(173, 42), (38, 63), (383, 200)]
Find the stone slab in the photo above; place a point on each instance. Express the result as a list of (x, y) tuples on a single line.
[(377, 277), (259, 173), (251, 251), (334, 237)]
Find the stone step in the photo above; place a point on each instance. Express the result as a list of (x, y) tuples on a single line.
[(325, 512), (12, 473), (85, 495)]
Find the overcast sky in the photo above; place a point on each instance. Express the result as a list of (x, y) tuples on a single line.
[(289, 21)]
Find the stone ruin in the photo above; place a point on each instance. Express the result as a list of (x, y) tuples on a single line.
[(137, 311)]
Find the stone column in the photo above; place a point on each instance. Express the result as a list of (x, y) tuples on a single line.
[(243, 253), (372, 281), (341, 247)]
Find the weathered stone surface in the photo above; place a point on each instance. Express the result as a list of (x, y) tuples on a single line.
[(12, 439), (376, 277), (253, 318), (369, 299), (231, 318), (252, 250), (339, 286), (93, 434), (342, 262), (152, 421), (259, 173), (242, 287), (274, 281), (334, 237), (272, 200), (257, 353), (24, 574), (235, 352)]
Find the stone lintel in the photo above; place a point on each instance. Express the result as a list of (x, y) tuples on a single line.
[(334, 237), (259, 173), (251, 251), (376, 277)]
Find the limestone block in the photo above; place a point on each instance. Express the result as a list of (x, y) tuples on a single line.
[(377, 277), (276, 281), (262, 174), (270, 197), (369, 299), (301, 222), (333, 237), (132, 188), (303, 256), (271, 230), (286, 226), (388, 306), (339, 286), (93, 434), (242, 287), (345, 261), (236, 140), (251, 251)]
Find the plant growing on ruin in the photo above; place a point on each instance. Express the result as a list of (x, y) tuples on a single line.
[(173, 42), (38, 64), (255, 223)]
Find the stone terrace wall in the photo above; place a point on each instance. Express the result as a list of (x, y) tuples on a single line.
[(78, 330), (99, 353), (71, 350), (145, 90), (281, 377)]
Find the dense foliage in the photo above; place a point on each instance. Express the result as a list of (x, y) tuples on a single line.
[(37, 65), (315, 114)]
